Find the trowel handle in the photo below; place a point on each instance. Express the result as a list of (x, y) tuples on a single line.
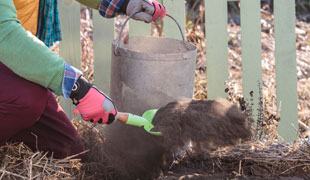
[(138, 121), (135, 120), (123, 27), (123, 117)]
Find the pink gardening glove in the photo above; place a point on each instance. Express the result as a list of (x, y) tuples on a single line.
[(92, 104), (160, 10), (148, 10)]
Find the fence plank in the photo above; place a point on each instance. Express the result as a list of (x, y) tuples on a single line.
[(70, 46), (103, 37), (138, 28), (175, 8), (217, 54), (286, 73), (251, 51)]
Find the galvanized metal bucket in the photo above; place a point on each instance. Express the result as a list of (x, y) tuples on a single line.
[(149, 72)]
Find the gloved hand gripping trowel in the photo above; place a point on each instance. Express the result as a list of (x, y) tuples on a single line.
[(95, 106), (145, 120)]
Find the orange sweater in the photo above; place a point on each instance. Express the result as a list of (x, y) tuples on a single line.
[(27, 13)]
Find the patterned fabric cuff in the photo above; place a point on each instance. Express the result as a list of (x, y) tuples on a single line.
[(71, 75), (110, 8)]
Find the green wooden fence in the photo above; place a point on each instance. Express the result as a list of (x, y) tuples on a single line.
[(217, 53)]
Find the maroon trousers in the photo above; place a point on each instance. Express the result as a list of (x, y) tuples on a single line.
[(29, 113)]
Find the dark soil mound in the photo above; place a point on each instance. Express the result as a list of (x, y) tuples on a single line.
[(207, 124)]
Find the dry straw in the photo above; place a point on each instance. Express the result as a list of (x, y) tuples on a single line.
[(259, 159), (19, 162)]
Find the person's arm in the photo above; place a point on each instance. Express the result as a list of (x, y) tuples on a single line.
[(107, 8), (28, 57)]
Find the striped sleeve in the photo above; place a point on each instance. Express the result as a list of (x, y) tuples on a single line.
[(110, 8)]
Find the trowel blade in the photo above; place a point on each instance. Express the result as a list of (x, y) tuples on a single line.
[(149, 115)]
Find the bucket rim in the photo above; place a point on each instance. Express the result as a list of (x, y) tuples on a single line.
[(125, 51)]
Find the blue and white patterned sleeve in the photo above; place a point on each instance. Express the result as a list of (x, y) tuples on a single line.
[(71, 75)]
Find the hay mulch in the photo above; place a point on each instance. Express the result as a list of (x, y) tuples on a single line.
[(20, 162), (267, 160), (252, 159)]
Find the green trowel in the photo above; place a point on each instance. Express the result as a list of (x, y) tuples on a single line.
[(145, 120)]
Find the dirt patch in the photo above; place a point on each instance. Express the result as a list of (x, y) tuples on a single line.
[(207, 124), (135, 154)]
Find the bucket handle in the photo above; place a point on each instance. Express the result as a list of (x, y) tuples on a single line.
[(123, 27)]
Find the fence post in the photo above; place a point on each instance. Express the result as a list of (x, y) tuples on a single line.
[(103, 36), (176, 9), (217, 54), (286, 73), (70, 46), (251, 51)]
